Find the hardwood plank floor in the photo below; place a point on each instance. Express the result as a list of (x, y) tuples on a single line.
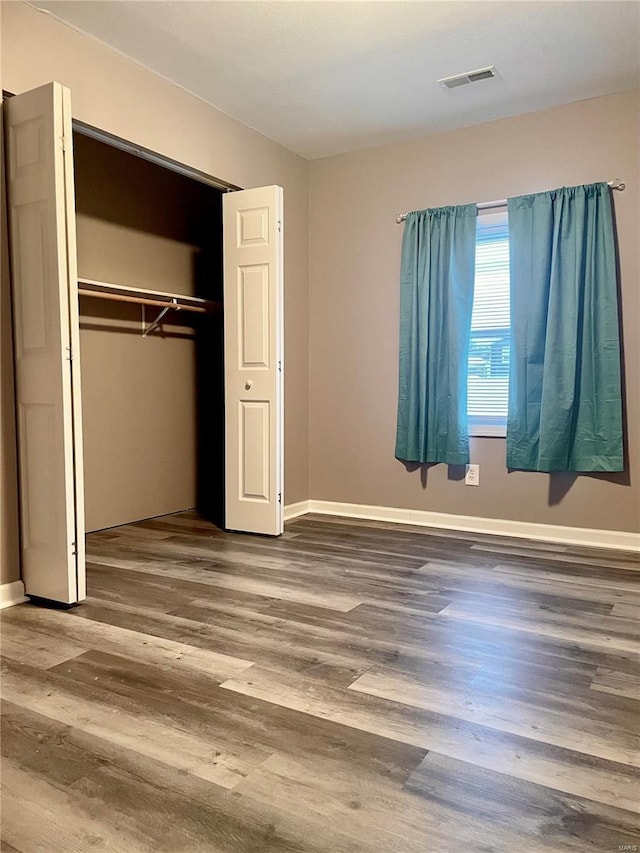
[(351, 686)]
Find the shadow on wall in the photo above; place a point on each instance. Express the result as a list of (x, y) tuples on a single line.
[(560, 482), (126, 319), (123, 189), (410, 467), (454, 472)]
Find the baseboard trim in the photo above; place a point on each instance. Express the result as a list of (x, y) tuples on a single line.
[(613, 539), (11, 593), (294, 510)]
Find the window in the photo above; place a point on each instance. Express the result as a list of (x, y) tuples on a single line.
[(488, 370)]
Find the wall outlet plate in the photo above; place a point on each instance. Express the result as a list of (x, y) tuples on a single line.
[(472, 475)]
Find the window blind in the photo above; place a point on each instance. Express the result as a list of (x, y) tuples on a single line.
[(488, 369)]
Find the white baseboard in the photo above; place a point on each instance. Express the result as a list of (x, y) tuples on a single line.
[(294, 510), (616, 539), (11, 593)]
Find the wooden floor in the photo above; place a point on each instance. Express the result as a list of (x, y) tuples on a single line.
[(351, 686)]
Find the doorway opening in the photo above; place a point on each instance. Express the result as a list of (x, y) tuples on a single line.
[(153, 398)]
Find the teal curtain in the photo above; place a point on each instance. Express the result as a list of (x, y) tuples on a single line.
[(565, 402), (436, 298)]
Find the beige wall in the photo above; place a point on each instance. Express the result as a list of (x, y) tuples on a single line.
[(117, 95), (348, 356), (354, 263)]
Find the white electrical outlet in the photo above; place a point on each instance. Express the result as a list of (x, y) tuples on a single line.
[(472, 475)]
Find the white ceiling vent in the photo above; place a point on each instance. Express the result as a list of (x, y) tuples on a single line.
[(469, 77)]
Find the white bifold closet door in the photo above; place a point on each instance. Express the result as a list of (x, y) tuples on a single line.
[(253, 333), (47, 351), (46, 330)]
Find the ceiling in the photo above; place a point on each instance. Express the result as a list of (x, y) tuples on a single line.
[(323, 77)]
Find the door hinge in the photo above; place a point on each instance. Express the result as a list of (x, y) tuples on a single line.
[(74, 549), (279, 497), (69, 354), (63, 142), (279, 225), (279, 367)]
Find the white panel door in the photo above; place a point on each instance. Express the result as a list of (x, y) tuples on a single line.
[(253, 332), (46, 328)]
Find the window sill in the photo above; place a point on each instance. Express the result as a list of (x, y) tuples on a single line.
[(487, 431)]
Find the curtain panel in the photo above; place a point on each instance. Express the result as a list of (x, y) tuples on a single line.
[(436, 299), (565, 401)]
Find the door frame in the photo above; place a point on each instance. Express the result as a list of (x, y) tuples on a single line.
[(191, 172), (145, 153)]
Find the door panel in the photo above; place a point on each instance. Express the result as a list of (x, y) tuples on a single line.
[(253, 301), (44, 286), (254, 473), (253, 312)]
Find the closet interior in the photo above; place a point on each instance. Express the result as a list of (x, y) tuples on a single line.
[(149, 247)]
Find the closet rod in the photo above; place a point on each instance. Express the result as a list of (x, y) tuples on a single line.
[(143, 300)]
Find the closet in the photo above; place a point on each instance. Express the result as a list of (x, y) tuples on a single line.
[(152, 394), (148, 340)]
